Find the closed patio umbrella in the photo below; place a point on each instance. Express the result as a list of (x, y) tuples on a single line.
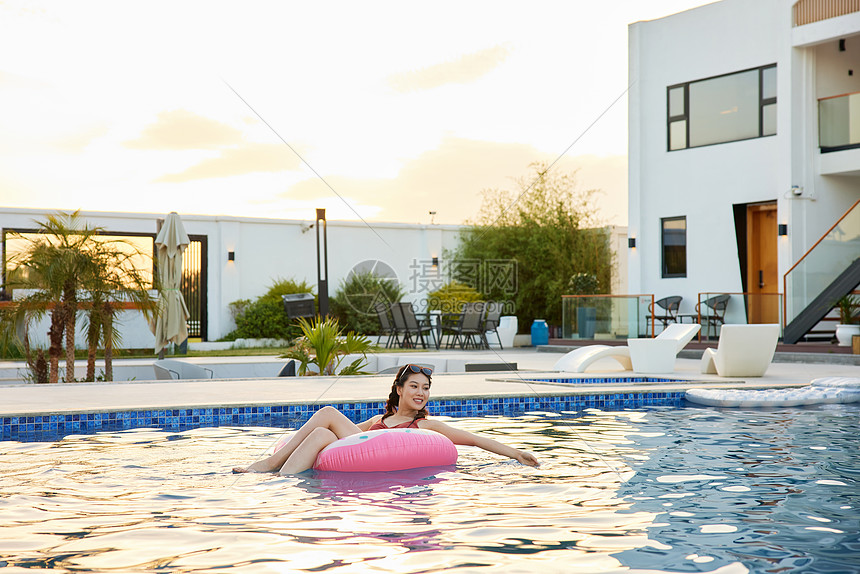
[(170, 322)]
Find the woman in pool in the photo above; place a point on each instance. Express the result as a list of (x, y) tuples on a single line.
[(406, 408)]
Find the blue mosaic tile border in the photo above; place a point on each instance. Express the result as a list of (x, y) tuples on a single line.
[(46, 428), (600, 380)]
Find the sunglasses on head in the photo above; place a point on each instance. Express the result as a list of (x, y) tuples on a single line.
[(418, 369)]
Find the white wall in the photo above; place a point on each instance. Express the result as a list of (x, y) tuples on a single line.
[(619, 249), (703, 183), (268, 249)]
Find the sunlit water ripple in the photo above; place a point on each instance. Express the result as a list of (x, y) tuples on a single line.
[(665, 490)]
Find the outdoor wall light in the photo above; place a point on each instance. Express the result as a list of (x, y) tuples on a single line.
[(782, 229), (435, 262), (231, 256), (631, 242)]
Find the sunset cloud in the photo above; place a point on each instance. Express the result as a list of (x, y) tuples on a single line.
[(247, 158), (78, 141), (10, 80), (463, 70), (449, 180), (183, 130)]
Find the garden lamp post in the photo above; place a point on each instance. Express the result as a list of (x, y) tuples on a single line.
[(322, 263)]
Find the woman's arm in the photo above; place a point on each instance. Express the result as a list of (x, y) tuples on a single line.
[(466, 438), (368, 423)]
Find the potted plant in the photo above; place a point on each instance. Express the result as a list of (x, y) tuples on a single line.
[(324, 346), (848, 319)]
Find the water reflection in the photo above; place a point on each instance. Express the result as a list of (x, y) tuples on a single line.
[(756, 492), (668, 490)]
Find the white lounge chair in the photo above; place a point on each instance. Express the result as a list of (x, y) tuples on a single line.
[(648, 354), (166, 369), (742, 351)]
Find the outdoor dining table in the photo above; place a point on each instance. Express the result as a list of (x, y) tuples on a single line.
[(426, 318)]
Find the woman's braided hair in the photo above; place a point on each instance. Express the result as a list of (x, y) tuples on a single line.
[(394, 398)]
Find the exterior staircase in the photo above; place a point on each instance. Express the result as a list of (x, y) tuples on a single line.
[(826, 273)]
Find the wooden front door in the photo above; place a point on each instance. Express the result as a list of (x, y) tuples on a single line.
[(762, 270)]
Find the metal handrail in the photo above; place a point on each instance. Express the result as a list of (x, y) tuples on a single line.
[(808, 251)]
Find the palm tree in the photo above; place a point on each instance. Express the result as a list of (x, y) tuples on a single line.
[(48, 266), (64, 262), (22, 313), (64, 259), (111, 281)]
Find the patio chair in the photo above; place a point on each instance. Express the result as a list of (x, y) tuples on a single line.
[(650, 354), (288, 370), (409, 325), (669, 306), (467, 327), (713, 313), (742, 351), (490, 322), (386, 326), (169, 369)]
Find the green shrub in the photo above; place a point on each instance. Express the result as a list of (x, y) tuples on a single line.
[(451, 297), (265, 317), (283, 287), (354, 302)]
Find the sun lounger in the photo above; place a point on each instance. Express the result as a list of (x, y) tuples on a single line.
[(166, 369), (742, 351), (642, 355)]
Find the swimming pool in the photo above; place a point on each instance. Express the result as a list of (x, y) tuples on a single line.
[(662, 490)]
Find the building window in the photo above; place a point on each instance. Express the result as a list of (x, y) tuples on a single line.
[(673, 239), (139, 247), (726, 108)]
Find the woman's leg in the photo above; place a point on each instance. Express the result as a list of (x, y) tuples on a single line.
[(327, 418), (305, 455)]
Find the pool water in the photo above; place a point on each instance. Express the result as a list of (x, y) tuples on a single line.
[(662, 490)]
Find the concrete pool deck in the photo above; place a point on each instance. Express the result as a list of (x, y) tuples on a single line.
[(17, 400)]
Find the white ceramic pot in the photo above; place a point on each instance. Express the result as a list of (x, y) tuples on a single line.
[(845, 332)]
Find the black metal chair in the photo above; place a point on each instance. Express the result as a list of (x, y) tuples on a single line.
[(492, 318), (386, 325), (670, 306), (409, 324), (713, 313), (468, 327)]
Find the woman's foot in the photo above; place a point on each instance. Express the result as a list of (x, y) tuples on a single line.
[(256, 467)]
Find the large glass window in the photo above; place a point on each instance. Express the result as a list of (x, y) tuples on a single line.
[(674, 245), (726, 108), (138, 247), (678, 117)]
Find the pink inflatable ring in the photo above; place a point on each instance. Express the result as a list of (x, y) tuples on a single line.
[(387, 450)]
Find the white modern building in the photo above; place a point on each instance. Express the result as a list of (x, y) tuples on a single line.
[(744, 152)]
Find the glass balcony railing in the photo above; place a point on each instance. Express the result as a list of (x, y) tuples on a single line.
[(823, 263), (717, 309), (839, 122), (606, 317)]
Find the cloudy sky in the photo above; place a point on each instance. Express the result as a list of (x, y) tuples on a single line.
[(379, 110)]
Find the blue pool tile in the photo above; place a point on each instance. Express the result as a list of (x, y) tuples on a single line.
[(52, 427)]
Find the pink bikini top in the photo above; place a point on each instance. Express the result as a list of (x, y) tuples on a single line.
[(380, 425)]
